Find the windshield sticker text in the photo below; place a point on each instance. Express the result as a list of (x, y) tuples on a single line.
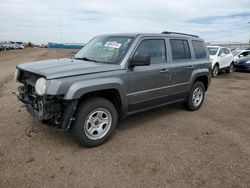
[(113, 44)]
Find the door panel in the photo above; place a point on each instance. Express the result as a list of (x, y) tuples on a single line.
[(228, 57), (148, 83), (181, 74), (222, 58), (182, 67), (228, 60)]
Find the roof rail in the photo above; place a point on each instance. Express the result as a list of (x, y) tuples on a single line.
[(169, 32)]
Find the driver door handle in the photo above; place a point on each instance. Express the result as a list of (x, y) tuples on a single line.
[(164, 71)]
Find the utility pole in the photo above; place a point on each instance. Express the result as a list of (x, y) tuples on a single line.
[(229, 42), (249, 36), (60, 29)]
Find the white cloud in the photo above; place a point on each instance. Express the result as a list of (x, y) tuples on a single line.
[(38, 21)]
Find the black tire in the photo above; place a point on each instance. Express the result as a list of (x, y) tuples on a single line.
[(230, 69), (84, 110), (190, 104), (215, 70)]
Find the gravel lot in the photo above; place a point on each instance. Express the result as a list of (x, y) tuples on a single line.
[(165, 147)]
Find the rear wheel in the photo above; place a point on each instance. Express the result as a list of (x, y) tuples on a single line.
[(230, 69), (196, 96), (215, 70), (96, 119)]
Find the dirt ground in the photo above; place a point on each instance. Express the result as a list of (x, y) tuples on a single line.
[(165, 147)]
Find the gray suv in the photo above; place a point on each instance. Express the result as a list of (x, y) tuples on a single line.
[(114, 76)]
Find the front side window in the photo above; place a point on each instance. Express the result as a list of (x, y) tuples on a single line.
[(155, 48), (105, 49), (221, 52), (226, 51), (199, 49), (180, 49)]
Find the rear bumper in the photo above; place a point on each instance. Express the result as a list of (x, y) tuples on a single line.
[(209, 78)]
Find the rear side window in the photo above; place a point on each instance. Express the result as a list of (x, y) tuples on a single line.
[(180, 49), (199, 49), (155, 48)]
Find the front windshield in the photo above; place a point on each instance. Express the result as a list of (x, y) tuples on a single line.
[(236, 52), (212, 50), (105, 49)]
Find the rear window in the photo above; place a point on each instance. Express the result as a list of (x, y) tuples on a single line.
[(199, 49), (180, 49)]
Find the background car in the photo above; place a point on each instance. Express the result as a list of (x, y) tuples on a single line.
[(243, 64), (240, 53), (1, 47), (222, 59)]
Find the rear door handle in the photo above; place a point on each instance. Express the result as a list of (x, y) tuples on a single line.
[(190, 67), (164, 71)]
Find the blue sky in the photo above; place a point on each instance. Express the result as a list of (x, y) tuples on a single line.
[(212, 19), (78, 21)]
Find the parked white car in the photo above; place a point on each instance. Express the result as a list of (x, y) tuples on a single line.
[(222, 59), (240, 53)]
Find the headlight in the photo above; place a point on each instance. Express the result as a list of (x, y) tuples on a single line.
[(16, 74), (248, 62), (40, 86)]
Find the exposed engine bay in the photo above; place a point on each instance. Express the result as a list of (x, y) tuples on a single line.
[(46, 108)]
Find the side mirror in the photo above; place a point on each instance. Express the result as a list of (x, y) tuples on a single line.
[(140, 60), (222, 55), (241, 55)]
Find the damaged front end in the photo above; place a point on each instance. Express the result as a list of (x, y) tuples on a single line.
[(46, 108)]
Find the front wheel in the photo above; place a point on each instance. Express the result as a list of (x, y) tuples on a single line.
[(96, 119), (196, 96), (230, 69)]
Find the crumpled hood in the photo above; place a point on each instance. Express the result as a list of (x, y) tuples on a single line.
[(58, 68)]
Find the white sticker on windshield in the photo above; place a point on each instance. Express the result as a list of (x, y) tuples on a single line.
[(113, 44)]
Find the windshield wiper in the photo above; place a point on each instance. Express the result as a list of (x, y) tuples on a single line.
[(85, 59)]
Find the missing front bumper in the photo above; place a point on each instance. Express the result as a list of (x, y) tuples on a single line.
[(60, 113)]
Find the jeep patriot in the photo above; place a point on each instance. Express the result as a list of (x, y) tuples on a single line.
[(114, 76)]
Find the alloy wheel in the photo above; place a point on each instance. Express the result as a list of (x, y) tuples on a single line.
[(97, 123)]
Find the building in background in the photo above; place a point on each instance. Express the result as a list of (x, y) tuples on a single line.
[(65, 45), (232, 45)]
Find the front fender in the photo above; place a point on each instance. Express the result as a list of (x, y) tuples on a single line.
[(78, 89)]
